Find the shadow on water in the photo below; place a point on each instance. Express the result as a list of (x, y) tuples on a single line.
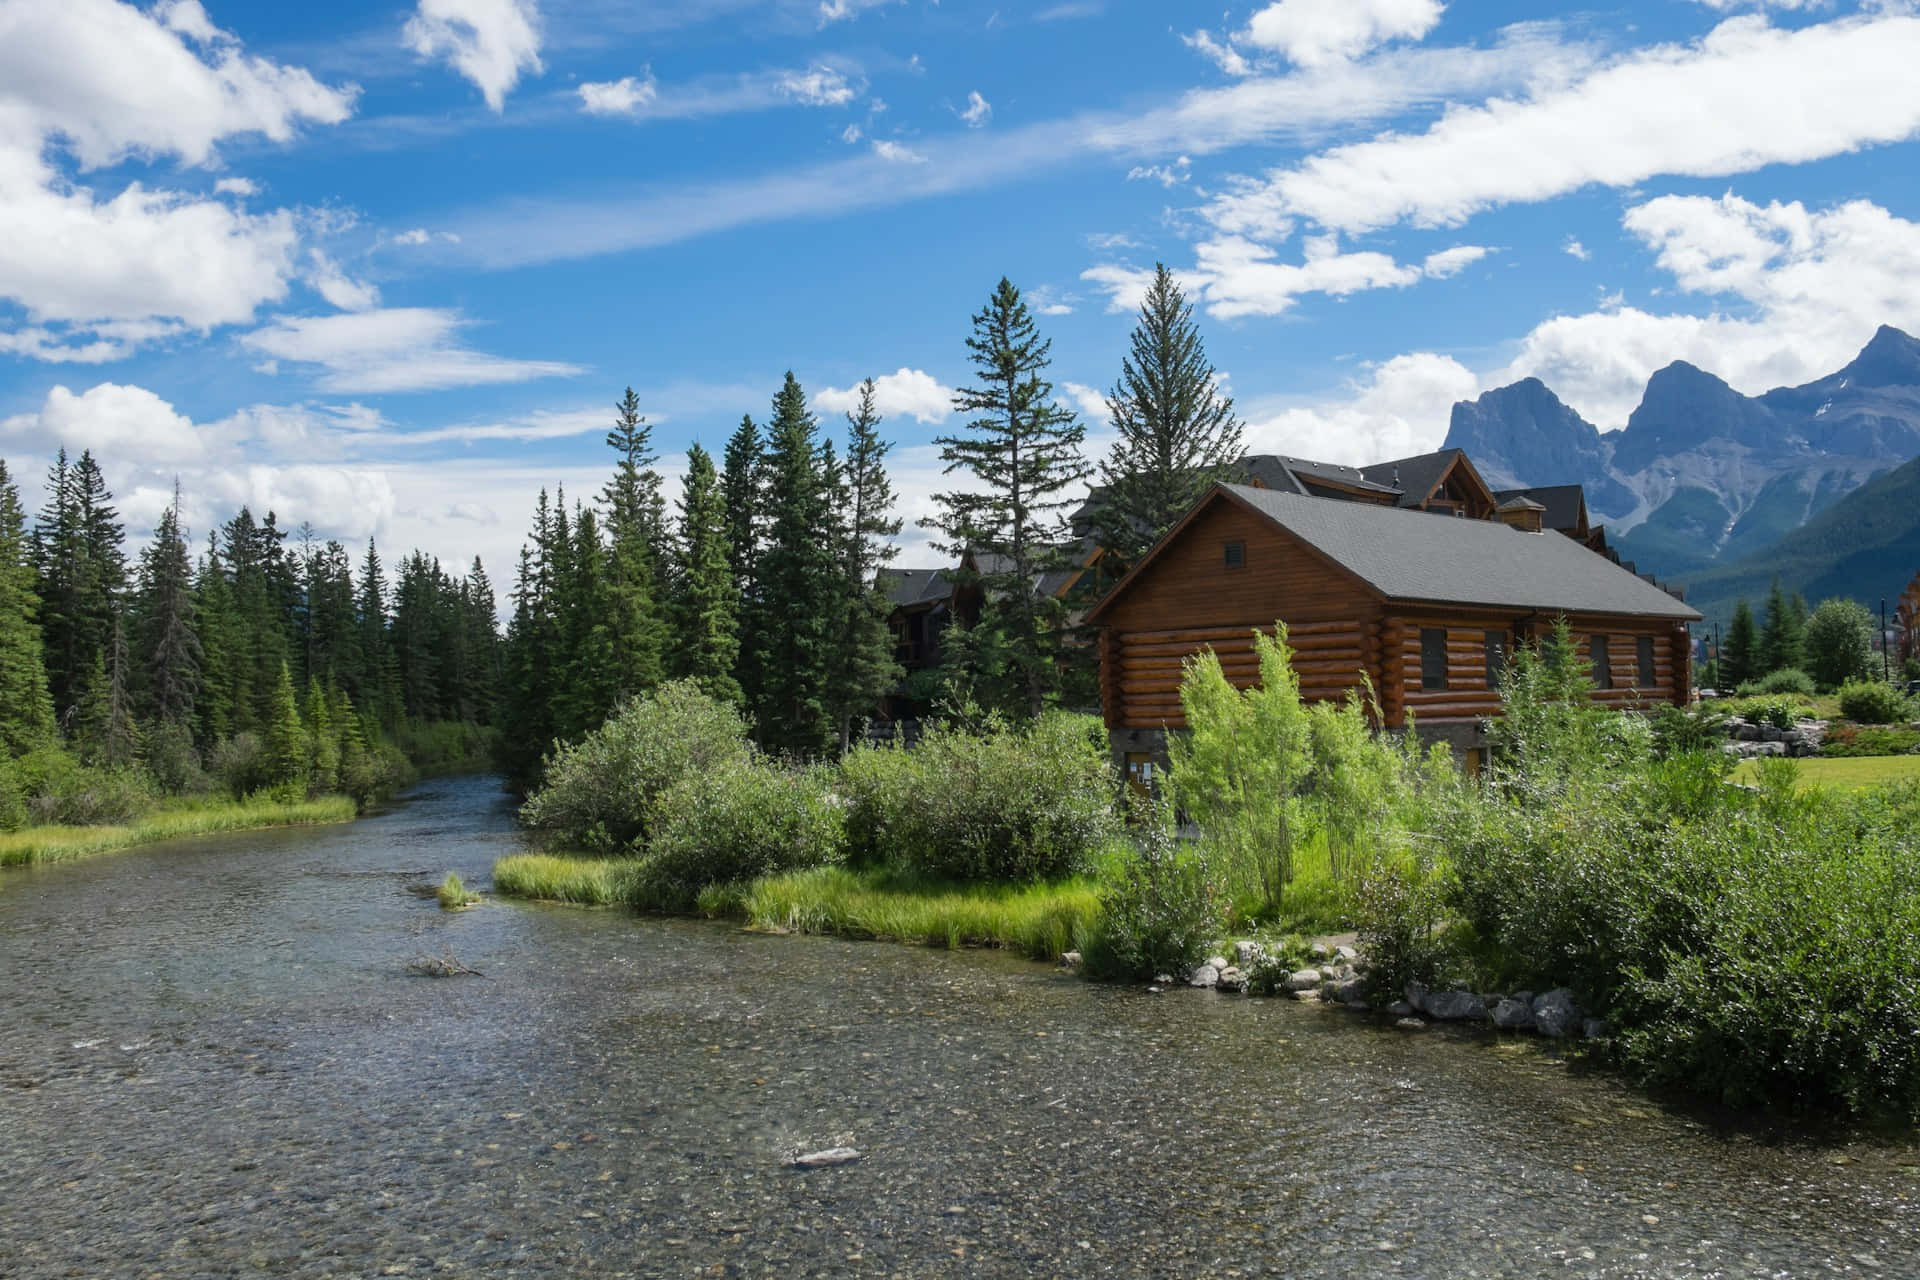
[(215, 1062)]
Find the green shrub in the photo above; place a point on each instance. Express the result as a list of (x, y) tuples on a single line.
[(1034, 803), (1785, 680), (60, 791), (604, 793), (1678, 731), (735, 821), (1838, 642), (1779, 710), (1160, 907), (240, 763), (453, 895), (1874, 702), (1851, 741)]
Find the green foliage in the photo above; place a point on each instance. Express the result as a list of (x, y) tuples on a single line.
[(453, 895), (1000, 804), (1838, 642), (1779, 710), (735, 822), (1161, 905), (1845, 741), (587, 882), (59, 790), (1740, 662), (603, 794), (26, 709), (1678, 731), (1787, 680), (862, 670), (1783, 631), (1872, 702), (706, 601)]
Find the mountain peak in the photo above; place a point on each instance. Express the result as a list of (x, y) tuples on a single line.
[(1891, 358)]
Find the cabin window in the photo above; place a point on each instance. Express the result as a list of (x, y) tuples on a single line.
[(1433, 658), (1644, 647), (1496, 649), (1598, 660), (1236, 554)]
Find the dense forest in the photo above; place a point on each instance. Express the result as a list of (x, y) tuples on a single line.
[(263, 658)]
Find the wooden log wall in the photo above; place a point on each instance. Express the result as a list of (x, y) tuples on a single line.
[(1328, 657)]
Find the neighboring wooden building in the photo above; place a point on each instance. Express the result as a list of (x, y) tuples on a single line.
[(1383, 586), (1907, 624)]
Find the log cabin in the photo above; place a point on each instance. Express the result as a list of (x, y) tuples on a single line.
[(1424, 599), (1907, 621)]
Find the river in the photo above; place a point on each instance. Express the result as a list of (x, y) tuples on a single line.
[(214, 1062)]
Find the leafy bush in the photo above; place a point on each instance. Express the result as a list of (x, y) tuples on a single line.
[(1160, 906), (604, 793), (1874, 702), (736, 821), (174, 761), (1678, 731), (1847, 740), (1785, 680), (241, 764), (1838, 642), (59, 790), (1003, 804), (1780, 710)]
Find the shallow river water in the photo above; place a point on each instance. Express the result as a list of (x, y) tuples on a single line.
[(213, 1062)]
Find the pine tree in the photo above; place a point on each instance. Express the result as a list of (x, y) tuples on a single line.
[(636, 529), (863, 666), (286, 738), (1024, 450), (1177, 433), (26, 709), (81, 575), (378, 693), (584, 605), (743, 488), (796, 611), (167, 640), (214, 711), (1739, 661), (1780, 633), (483, 638), (107, 732), (706, 603), (322, 741)]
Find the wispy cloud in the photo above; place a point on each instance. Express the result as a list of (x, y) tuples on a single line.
[(391, 350)]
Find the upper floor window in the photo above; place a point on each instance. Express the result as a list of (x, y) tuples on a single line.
[(1433, 658), (1236, 554)]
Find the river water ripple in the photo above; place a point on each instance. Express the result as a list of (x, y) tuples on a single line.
[(214, 1063)]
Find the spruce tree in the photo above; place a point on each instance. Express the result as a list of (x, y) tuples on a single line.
[(863, 667), (1739, 661), (26, 709), (168, 643), (81, 575), (482, 626), (796, 610), (706, 603), (1177, 434), (1780, 633), (591, 675), (636, 554), (214, 712), (285, 736), (378, 693), (1023, 450), (742, 488)]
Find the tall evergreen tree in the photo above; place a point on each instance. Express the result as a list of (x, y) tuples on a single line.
[(214, 713), (1740, 659), (482, 627), (26, 709), (81, 573), (168, 642), (863, 667), (796, 610), (1177, 434), (743, 489), (1024, 451), (285, 738), (107, 731), (378, 693), (591, 680), (636, 554), (1780, 632), (706, 603)]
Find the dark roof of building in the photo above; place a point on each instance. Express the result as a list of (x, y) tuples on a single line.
[(1412, 478), (915, 586), (1520, 502), (1562, 501), (1418, 556), (1291, 475)]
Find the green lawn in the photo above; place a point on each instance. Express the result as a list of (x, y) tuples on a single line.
[(1850, 774)]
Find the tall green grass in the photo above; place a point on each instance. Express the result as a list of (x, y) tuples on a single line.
[(586, 882), (38, 845)]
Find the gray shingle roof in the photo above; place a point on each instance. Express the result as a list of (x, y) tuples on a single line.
[(914, 586), (1562, 502), (1419, 556), (1413, 478)]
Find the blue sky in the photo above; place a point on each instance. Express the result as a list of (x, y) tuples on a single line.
[(386, 266)]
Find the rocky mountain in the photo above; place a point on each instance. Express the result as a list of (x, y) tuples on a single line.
[(1703, 475)]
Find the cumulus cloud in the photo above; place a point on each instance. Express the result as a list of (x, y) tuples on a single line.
[(1398, 409), (1451, 262), (910, 393), (337, 287), (621, 97), (114, 421), (490, 42), (1574, 249), (977, 111), (1235, 277), (1311, 33), (392, 349), (1746, 95), (236, 187), (817, 87), (896, 153), (100, 83)]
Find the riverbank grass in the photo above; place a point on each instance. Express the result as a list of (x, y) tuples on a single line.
[(39, 845), (453, 895), (580, 882)]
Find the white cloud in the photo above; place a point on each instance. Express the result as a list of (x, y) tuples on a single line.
[(338, 288), (1746, 95), (978, 110), (910, 393), (490, 42), (619, 97), (393, 349), (108, 83), (236, 187), (1311, 33), (1400, 409), (817, 87), (1574, 249), (841, 10), (1090, 402), (414, 237), (1219, 52), (896, 153), (1049, 301), (118, 422), (1167, 175), (851, 134), (1451, 262)]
